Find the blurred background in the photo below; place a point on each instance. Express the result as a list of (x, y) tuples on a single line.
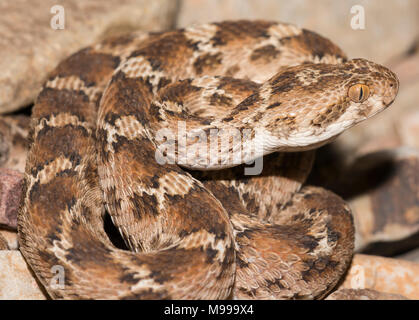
[(374, 166)]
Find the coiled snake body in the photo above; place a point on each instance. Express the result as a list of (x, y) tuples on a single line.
[(188, 233)]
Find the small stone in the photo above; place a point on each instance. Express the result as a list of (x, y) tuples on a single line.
[(14, 132), (392, 276), (3, 243), (10, 237), (11, 183), (17, 281)]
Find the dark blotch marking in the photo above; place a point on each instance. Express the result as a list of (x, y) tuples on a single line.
[(144, 205), (120, 40), (312, 42), (284, 82), (69, 141), (246, 103), (228, 119), (234, 84), (51, 101), (131, 278), (266, 53), (87, 250), (91, 67), (273, 105), (163, 82), (178, 91), (131, 97), (218, 99), (309, 242), (207, 61), (211, 254), (235, 30), (165, 50)]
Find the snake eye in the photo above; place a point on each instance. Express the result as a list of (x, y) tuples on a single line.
[(359, 92)]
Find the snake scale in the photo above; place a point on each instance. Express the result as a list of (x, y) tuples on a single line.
[(195, 229)]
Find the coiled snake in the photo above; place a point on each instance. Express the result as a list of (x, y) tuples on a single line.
[(190, 231)]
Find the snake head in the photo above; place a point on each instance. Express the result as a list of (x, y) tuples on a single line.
[(354, 91), (311, 104), (370, 89)]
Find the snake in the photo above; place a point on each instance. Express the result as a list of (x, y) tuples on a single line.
[(171, 165)]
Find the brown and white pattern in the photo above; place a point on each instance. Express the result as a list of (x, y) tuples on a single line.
[(192, 235)]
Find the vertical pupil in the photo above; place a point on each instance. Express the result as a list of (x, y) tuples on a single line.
[(361, 93)]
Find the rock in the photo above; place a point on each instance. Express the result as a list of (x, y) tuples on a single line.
[(412, 255), (11, 183), (406, 66), (363, 294), (10, 238), (30, 47), (382, 190), (3, 243), (383, 37), (384, 275), (14, 132), (408, 128), (16, 280)]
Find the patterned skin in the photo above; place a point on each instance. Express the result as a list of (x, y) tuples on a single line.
[(194, 235)]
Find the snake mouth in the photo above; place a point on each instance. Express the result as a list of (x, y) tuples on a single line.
[(388, 100)]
